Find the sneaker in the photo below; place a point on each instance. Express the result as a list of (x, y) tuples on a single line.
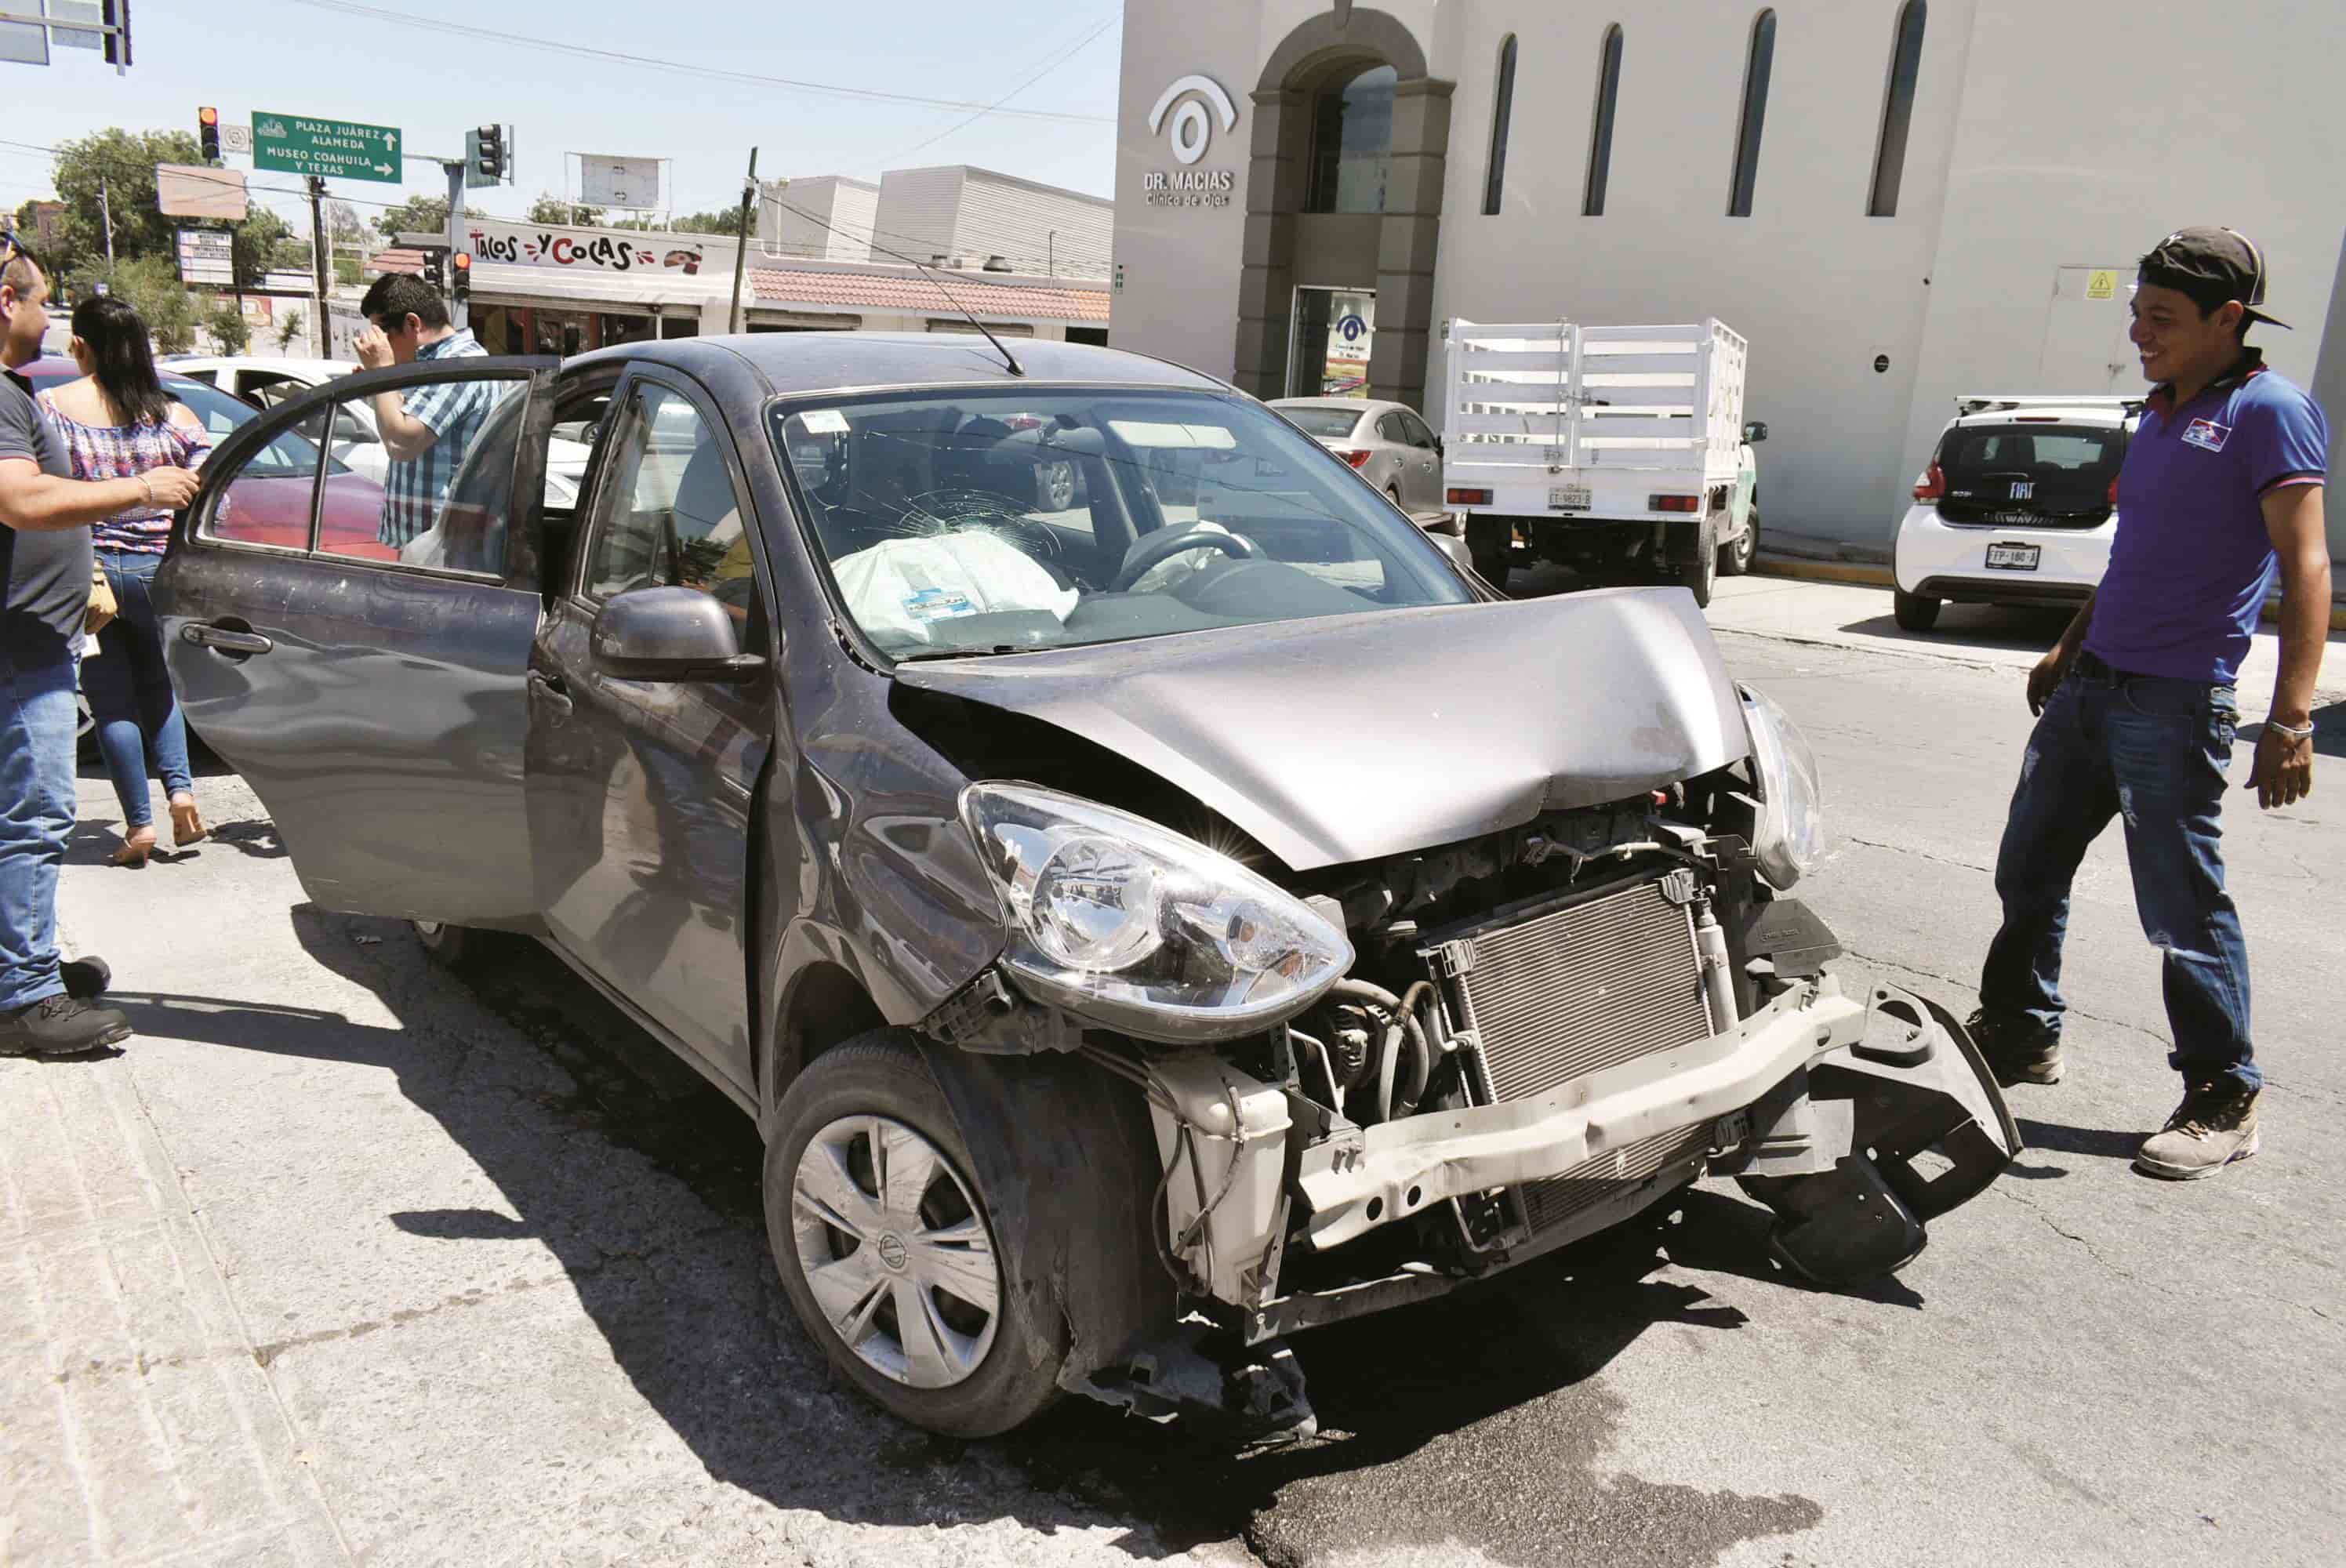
[(2017, 1052), (2214, 1125), (60, 1025), (86, 977)]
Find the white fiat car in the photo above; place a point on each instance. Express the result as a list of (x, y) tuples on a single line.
[(2017, 507)]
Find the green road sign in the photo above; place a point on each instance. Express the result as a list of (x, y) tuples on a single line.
[(339, 149)]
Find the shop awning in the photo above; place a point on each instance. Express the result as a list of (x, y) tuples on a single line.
[(562, 286)]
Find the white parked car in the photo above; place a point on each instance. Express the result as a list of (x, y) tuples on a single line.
[(2018, 505), (267, 383), (1393, 449)]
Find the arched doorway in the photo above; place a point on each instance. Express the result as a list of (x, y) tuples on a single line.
[(1343, 212)]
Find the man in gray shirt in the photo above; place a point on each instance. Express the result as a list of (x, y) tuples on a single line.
[(45, 583)]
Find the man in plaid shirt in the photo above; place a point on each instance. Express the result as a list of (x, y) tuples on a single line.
[(426, 429)]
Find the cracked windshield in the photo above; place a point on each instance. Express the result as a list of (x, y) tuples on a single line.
[(983, 522)]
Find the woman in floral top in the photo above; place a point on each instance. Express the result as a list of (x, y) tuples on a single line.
[(117, 422)]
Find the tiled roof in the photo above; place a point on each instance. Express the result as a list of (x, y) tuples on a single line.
[(396, 260), (876, 292)]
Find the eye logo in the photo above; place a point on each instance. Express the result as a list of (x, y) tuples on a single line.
[(1193, 127)]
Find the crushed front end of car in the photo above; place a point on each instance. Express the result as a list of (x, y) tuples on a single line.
[(1372, 1078)]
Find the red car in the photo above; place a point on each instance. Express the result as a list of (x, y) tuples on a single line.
[(269, 501)]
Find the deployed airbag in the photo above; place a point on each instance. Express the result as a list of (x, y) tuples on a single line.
[(900, 590)]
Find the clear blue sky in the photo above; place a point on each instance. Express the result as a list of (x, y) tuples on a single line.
[(285, 56)]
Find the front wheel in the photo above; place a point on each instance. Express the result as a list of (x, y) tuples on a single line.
[(888, 1249), (453, 946), (1914, 613), (1735, 560)]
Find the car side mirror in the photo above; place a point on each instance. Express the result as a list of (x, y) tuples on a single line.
[(669, 634), (1756, 431), (1437, 444)]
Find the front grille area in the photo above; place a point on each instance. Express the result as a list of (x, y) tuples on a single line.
[(1559, 1198), (1584, 988)]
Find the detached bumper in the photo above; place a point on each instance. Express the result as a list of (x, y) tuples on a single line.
[(1800, 1092)]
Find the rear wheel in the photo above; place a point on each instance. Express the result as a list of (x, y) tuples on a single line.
[(1914, 613), (889, 1251), (1055, 486), (1699, 576), (452, 945), (1488, 542)]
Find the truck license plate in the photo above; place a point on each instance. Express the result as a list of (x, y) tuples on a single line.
[(2013, 557), (1570, 497)]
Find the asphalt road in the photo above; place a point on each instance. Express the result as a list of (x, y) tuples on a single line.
[(488, 1282)]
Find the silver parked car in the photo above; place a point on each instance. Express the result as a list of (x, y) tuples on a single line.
[(1140, 928), (1393, 449)]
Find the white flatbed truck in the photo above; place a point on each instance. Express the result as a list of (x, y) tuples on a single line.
[(1619, 450)]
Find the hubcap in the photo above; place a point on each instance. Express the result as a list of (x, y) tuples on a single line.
[(895, 1252)]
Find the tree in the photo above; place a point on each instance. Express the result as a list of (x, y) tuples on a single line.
[(287, 330), (419, 215), (265, 242), (229, 328), (551, 209), (152, 284), (123, 163), (726, 221)]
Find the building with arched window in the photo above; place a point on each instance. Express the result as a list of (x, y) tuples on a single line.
[(1896, 200)]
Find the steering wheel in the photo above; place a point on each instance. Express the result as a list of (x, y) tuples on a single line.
[(1168, 542)]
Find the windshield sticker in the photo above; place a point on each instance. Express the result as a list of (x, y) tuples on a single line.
[(928, 604), (1157, 433), (823, 422)]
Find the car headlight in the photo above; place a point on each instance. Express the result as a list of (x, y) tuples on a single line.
[(1790, 837), (1122, 920)]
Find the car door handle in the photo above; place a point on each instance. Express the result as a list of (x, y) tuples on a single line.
[(227, 639), (555, 693)]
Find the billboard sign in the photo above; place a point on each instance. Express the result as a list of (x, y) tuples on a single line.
[(628, 182), (208, 256)]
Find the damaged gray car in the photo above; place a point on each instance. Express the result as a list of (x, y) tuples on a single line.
[(1140, 926)]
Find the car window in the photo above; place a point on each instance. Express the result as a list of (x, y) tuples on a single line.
[(288, 453), (2058, 450), (1415, 431), (666, 514), (1326, 423), (1205, 511), (207, 377), (1389, 428)]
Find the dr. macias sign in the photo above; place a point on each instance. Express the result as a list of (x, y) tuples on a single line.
[(1201, 103)]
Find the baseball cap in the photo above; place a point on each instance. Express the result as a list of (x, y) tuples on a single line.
[(2211, 265)]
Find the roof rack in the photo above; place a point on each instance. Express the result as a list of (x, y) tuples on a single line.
[(1981, 403)]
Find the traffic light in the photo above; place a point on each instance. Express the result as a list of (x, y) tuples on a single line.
[(460, 275), (435, 271), (207, 130), (489, 159), (116, 15)]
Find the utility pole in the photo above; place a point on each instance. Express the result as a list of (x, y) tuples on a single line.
[(106, 216), (321, 262), (459, 308), (741, 243)]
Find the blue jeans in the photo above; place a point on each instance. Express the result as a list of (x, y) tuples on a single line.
[(129, 692), (2153, 752), (37, 815)]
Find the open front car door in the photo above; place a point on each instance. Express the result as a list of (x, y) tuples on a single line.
[(355, 645)]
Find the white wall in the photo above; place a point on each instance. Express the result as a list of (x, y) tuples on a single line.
[(2044, 134), (1034, 227)]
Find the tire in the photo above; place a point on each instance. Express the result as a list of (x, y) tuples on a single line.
[(1699, 576), (1735, 560), (1392, 494), (1914, 614), (985, 1372), (1055, 486), (453, 946)]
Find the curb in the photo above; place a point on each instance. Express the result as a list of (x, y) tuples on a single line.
[(1856, 572)]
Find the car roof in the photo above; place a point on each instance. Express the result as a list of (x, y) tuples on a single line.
[(798, 362), (1364, 405), (58, 367), (291, 364), (2051, 409)]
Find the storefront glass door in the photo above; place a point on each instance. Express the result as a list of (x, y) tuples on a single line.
[(1329, 351)]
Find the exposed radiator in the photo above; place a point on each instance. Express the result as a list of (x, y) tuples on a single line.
[(1587, 987), (1559, 1198)]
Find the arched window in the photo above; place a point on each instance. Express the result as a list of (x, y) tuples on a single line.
[(1503, 105), (1600, 129), (1897, 109), (1352, 142), (1755, 115)]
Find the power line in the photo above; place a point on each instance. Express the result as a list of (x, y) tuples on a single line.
[(683, 67), (1045, 69)]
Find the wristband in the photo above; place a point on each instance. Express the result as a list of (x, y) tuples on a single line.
[(2278, 728), (148, 486)]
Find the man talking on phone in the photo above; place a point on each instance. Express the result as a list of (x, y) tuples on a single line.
[(2219, 497)]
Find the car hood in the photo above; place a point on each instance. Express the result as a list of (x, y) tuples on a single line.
[(1355, 736)]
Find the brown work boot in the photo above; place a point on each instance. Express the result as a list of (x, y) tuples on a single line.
[(2214, 1125), (2017, 1052)]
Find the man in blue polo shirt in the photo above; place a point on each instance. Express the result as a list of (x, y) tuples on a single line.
[(2219, 496)]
